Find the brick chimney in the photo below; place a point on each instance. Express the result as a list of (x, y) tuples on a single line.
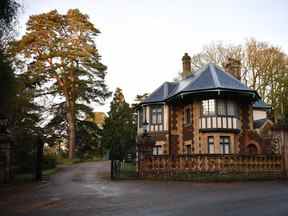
[(233, 66), (186, 61)]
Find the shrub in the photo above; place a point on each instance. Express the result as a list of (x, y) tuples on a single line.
[(49, 161)]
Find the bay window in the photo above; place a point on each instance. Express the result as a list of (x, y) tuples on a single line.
[(221, 108), (208, 107), (213, 107), (231, 109)]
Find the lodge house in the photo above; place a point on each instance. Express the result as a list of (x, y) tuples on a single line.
[(209, 111)]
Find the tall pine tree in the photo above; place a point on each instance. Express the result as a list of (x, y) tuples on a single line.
[(63, 59)]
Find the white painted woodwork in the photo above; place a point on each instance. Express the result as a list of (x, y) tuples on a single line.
[(259, 114), (219, 122), (147, 113), (165, 117)]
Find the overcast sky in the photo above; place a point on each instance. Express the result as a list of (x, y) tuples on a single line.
[(142, 41)]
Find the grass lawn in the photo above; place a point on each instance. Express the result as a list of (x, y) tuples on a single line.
[(215, 177), (66, 161), (128, 171)]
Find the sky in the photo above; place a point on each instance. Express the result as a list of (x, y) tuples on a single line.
[(142, 41)]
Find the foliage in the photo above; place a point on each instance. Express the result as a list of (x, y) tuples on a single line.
[(16, 98), (216, 53), (17, 95), (264, 68), (119, 130), (139, 99), (49, 161), (8, 13), (88, 140), (7, 84), (63, 59)]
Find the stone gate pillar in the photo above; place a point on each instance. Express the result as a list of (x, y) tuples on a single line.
[(280, 134)]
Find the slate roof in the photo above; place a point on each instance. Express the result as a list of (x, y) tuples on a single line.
[(259, 122), (209, 78), (161, 94), (260, 104)]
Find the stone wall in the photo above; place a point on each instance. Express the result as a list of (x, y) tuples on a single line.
[(207, 163), (191, 135)]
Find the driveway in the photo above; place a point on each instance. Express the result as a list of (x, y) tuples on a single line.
[(85, 189)]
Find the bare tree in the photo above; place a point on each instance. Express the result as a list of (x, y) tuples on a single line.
[(264, 67)]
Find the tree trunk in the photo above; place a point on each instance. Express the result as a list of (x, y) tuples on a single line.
[(39, 159), (71, 130)]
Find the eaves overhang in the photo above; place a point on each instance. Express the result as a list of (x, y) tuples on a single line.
[(149, 103), (218, 91)]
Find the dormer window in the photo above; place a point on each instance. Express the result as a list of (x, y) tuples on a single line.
[(156, 115)]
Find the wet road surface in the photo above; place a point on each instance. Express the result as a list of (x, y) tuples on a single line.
[(84, 189)]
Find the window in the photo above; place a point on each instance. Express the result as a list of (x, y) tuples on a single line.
[(187, 117), (211, 145), (224, 144), (140, 116), (221, 108), (208, 107), (188, 149), (231, 109), (157, 150), (159, 115), (156, 115)]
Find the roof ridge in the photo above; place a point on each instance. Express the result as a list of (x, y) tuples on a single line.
[(199, 72), (230, 75), (214, 75), (165, 90)]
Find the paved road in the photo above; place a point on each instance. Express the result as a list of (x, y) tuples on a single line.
[(84, 189)]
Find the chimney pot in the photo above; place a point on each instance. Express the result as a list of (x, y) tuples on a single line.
[(233, 66), (186, 61)]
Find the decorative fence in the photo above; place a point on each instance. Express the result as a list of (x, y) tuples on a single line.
[(161, 166)]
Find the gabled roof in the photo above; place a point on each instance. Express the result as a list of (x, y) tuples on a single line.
[(259, 123), (209, 78)]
